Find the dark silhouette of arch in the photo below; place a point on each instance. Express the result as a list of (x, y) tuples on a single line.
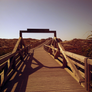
[(37, 31)]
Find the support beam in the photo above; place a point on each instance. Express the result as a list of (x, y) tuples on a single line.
[(37, 31)]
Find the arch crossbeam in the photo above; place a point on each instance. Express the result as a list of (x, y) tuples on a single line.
[(37, 31)]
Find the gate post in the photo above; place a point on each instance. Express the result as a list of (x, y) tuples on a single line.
[(86, 73)]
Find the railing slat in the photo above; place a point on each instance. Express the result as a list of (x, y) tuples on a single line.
[(8, 64), (74, 69), (74, 61), (4, 59), (75, 56), (17, 45), (86, 74), (89, 61), (80, 65)]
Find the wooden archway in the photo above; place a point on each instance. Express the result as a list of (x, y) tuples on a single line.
[(37, 31)]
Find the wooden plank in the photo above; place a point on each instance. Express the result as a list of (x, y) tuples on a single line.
[(35, 31), (75, 56), (89, 61), (16, 60), (89, 77), (64, 62), (48, 42), (42, 74), (1, 78), (72, 66), (86, 74), (56, 54), (51, 47), (2, 66), (76, 63), (5, 58), (22, 43), (17, 45), (82, 73), (38, 30), (5, 55)]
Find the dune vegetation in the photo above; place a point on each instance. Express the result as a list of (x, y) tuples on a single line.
[(7, 45)]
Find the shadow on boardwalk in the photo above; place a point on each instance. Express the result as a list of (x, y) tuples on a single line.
[(18, 81)]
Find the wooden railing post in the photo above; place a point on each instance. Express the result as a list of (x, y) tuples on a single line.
[(8, 61), (50, 50), (72, 65), (14, 64), (86, 73), (1, 78), (64, 62), (89, 77), (17, 45), (57, 53)]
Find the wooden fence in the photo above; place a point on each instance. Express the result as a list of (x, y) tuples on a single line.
[(80, 66), (11, 61)]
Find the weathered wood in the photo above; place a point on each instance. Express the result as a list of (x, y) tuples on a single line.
[(15, 60), (64, 62), (56, 54), (50, 50), (10, 62), (72, 66), (5, 55), (75, 56), (68, 59), (37, 31), (82, 73), (9, 65), (75, 71), (48, 42), (86, 74), (17, 45), (89, 61), (51, 47), (78, 64), (2, 65), (22, 44), (89, 77), (5, 58), (42, 74), (1, 78)]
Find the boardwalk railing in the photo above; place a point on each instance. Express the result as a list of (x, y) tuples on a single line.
[(10, 62), (79, 65)]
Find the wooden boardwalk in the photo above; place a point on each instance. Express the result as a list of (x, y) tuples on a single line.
[(41, 73)]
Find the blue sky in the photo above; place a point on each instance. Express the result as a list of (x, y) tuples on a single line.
[(70, 18)]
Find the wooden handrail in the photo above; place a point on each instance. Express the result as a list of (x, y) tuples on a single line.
[(87, 67), (13, 59), (75, 56), (89, 61), (17, 45), (73, 61), (5, 57), (73, 67), (9, 62), (89, 77), (51, 47)]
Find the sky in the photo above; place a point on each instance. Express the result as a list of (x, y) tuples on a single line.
[(69, 18)]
